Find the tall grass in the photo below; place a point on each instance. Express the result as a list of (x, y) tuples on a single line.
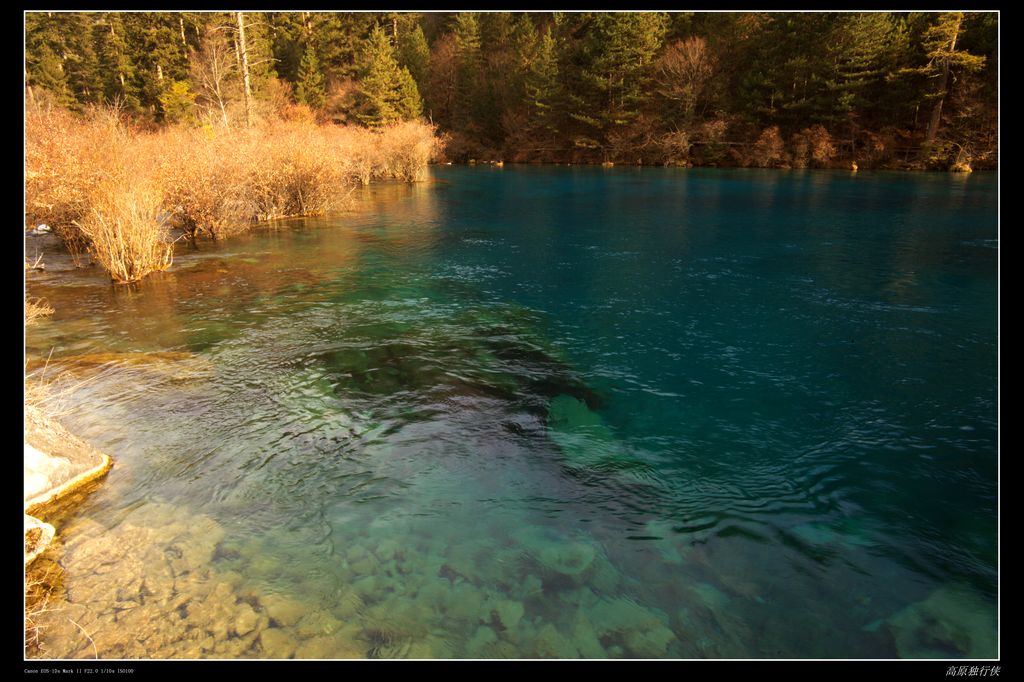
[(35, 309), (117, 193)]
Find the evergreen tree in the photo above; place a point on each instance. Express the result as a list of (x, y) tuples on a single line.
[(47, 71), (387, 91), (287, 37), (615, 64), (466, 105), (858, 47), (158, 56), (945, 60), (542, 87), (51, 57), (338, 38), (414, 54), (612, 81), (80, 61), (310, 87), (116, 66), (177, 102), (787, 70)]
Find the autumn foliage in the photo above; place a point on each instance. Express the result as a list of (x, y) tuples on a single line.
[(122, 195)]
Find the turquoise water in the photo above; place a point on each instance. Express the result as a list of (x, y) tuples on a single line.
[(550, 412)]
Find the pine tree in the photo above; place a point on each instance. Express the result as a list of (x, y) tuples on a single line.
[(944, 60), (158, 54), (616, 62), (410, 105), (414, 54), (786, 71), (80, 61), (387, 91), (542, 85), (288, 37), (310, 87), (116, 65), (467, 97), (338, 38), (52, 55), (858, 48), (177, 101), (47, 71)]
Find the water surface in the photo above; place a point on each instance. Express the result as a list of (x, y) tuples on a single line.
[(547, 412)]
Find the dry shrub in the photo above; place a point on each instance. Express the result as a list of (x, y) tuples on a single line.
[(112, 190), (683, 74), (36, 308), (89, 180), (406, 149), (358, 146), (768, 151), (292, 169), (879, 148), (276, 100), (203, 175), (220, 180), (710, 136), (341, 100), (400, 151), (462, 148), (66, 157), (675, 148), (634, 143), (41, 590), (126, 232), (298, 113), (813, 147)]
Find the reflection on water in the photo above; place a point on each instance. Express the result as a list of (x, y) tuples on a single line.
[(545, 413)]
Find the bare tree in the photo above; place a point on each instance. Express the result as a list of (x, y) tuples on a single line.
[(211, 69), (683, 73)]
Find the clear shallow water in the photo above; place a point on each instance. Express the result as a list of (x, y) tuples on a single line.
[(540, 412)]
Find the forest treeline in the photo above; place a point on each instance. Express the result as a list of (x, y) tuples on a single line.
[(882, 89)]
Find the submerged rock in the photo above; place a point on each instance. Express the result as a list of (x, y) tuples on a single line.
[(328, 647), (643, 632), (277, 643), (550, 643), (556, 554), (509, 613), (246, 620), (952, 622), (480, 640), (318, 623), (282, 610), (145, 589), (38, 536), (586, 441), (848, 533), (569, 559)]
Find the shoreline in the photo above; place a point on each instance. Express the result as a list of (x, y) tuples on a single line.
[(58, 468), (901, 168)]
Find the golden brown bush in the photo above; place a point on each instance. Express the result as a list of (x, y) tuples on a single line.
[(813, 147), (65, 158), (115, 191), (126, 232), (768, 151), (203, 178)]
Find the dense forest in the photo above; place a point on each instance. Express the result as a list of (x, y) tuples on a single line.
[(882, 89)]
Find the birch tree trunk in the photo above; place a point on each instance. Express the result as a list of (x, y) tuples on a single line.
[(245, 70)]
